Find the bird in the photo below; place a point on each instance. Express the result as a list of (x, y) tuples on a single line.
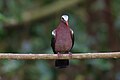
[(62, 41)]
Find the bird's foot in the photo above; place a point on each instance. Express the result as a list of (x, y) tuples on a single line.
[(70, 54), (59, 54)]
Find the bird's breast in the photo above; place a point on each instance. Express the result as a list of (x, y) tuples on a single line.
[(63, 40)]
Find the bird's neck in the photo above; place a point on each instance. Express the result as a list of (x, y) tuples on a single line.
[(63, 24)]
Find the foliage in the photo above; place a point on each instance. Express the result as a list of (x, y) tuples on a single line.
[(93, 33)]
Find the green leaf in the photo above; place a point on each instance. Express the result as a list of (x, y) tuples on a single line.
[(2, 17), (10, 66), (100, 64)]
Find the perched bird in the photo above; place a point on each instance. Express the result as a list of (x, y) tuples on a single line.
[(62, 41)]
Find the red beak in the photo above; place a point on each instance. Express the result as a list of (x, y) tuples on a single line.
[(67, 23)]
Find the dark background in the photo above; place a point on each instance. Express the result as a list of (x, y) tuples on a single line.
[(26, 25)]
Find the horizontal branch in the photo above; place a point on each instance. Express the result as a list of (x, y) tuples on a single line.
[(64, 56)]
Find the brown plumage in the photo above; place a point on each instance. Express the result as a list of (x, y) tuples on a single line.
[(62, 41), (63, 38)]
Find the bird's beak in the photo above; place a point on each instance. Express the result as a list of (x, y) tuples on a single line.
[(67, 23)]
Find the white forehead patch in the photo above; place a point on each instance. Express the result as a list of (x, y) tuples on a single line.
[(65, 17)]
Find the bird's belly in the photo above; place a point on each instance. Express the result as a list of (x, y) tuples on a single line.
[(63, 45)]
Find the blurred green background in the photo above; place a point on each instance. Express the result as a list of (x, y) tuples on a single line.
[(26, 25)]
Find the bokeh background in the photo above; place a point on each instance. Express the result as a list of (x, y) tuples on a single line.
[(26, 25)]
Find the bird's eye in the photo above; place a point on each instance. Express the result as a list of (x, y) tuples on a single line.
[(62, 19)]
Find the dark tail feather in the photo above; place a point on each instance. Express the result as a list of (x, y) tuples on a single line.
[(62, 63)]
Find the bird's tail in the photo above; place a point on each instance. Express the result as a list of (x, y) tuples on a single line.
[(61, 63)]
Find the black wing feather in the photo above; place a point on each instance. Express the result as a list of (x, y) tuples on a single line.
[(72, 37), (53, 44)]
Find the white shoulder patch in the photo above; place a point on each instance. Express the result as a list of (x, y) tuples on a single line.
[(53, 32), (71, 31)]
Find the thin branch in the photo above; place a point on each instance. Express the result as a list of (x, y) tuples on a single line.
[(64, 56)]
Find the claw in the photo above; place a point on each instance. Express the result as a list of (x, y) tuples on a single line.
[(59, 54), (70, 54)]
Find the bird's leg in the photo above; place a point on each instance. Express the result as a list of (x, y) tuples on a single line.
[(59, 54), (70, 54)]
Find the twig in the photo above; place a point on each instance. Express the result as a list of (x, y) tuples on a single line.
[(64, 56)]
